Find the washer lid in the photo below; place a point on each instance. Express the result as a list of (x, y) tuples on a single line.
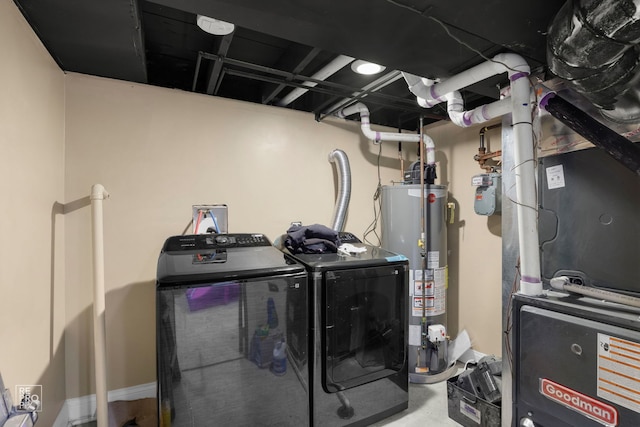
[(203, 258)]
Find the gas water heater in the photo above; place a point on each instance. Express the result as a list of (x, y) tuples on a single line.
[(414, 224)]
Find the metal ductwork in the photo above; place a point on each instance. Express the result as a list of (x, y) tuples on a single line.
[(339, 157), (617, 146), (593, 45)]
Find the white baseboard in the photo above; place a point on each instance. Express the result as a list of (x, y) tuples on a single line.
[(82, 409)]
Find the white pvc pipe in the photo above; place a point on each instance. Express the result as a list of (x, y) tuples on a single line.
[(328, 70), (520, 107), (98, 194), (365, 126), (419, 87), (526, 194), (455, 105), (430, 148), (436, 93), (481, 114)]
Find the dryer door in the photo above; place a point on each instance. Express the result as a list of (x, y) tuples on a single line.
[(364, 323)]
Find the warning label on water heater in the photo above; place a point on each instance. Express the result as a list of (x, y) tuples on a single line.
[(619, 371), (428, 292)]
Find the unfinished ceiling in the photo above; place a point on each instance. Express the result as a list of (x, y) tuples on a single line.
[(279, 45)]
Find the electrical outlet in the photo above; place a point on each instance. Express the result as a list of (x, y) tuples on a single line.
[(209, 219)]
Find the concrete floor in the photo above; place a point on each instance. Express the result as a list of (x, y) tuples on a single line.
[(427, 407)]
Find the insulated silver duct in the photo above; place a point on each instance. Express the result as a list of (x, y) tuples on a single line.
[(344, 188), (593, 44)]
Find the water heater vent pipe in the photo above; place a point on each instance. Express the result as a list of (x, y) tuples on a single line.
[(365, 126), (378, 137)]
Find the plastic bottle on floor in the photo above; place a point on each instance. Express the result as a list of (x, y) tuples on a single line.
[(279, 363)]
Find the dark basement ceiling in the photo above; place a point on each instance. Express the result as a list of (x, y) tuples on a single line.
[(277, 43)]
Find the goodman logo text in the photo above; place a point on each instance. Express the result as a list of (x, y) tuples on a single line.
[(598, 411)]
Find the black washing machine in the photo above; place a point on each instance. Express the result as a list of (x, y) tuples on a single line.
[(232, 333), (358, 336)]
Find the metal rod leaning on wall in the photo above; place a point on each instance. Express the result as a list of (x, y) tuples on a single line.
[(98, 194), (563, 283)]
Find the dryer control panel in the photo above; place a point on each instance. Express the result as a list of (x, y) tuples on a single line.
[(346, 237)]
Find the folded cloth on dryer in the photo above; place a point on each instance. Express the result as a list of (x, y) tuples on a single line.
[(349, 249), (311, 239)]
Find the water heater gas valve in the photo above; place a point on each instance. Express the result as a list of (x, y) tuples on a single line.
[(436, 333)]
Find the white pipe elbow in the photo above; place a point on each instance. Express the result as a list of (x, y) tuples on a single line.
[(365, 126), (416, 85), (455, 108), (98, 192), (559, 282), (378, 137), (480, 114), (423, 102), (420, 87), (430, 148), (358, 107), (511, 63)]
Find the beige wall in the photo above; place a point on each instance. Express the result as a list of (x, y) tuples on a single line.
[(32, 299)]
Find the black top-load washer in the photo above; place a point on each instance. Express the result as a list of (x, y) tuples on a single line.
[(231, 333)]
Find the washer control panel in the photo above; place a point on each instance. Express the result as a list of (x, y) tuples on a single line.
[(215, 241)]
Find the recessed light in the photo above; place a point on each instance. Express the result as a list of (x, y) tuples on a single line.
[(214, 26), (364, 67)]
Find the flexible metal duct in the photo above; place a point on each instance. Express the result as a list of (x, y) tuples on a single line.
[(593, 44), (339, 157)]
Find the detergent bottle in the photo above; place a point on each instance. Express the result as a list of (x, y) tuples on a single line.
[(279, 362)]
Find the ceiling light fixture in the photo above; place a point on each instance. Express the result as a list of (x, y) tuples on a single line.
[(214, 26), (368, 68)]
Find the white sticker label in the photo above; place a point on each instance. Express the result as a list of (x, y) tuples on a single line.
[(555, 177), (469, 411), (429, 294)]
